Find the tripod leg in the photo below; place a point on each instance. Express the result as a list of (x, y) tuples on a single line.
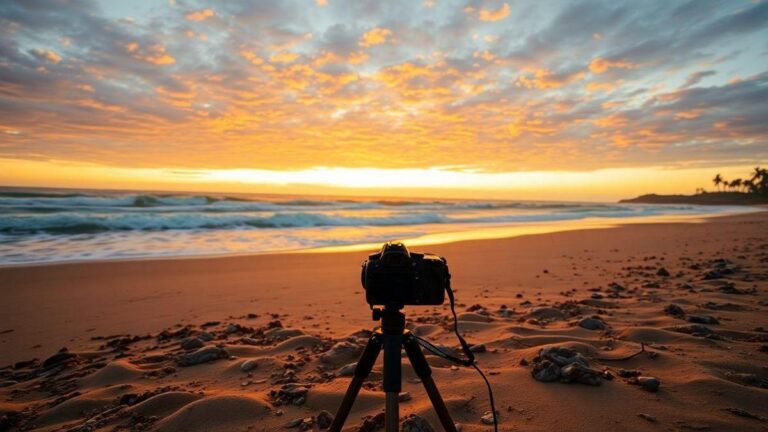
[(393, 344), (392, 412), (362, 370), (424, 372)]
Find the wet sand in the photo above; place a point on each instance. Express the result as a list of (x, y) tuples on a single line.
[(302, 317)]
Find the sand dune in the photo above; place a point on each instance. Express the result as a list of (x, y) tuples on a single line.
[(264, 342)]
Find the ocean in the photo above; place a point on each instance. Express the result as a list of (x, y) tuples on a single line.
[(41, 225)]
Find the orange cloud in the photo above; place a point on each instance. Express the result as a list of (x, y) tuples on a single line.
[(46, 55), (200, 15), (375, 36), (494, 15), (154, 54), (600, 65), (284, 57), (611, 121), (251, 57)]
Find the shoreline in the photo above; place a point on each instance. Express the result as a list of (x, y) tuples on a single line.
[(486, 232)]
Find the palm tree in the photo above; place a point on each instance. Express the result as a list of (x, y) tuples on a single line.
[(719, 179), (736, 184)]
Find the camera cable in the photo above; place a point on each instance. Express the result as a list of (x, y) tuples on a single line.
[(469, 361)]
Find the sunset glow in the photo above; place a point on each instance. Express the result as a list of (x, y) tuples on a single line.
[(432, 97)]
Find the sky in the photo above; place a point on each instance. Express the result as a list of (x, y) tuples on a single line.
[(446, 98)]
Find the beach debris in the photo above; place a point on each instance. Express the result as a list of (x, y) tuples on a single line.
[(404, 396), (562, 364), (415, 423), (703, 319), (650, 384), (291, 393), (674, 310), (648, 417), (249, 365), (191, 343), (203, 355), (593, 323)]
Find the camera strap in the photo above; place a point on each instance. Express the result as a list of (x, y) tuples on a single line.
[(469, 361), (464, 345)]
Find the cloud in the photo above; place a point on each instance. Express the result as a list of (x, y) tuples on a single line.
[(46, 55), (375, 36), (153, 54), (200, 15), (601, 65), (494, 15), (696, 77), (542, 93)]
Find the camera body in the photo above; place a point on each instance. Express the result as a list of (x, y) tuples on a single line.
[(395, 276)]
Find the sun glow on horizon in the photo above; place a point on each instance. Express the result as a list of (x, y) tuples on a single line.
[(605, 184)]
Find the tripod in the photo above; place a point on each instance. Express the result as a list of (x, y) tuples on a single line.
[(392, 337)]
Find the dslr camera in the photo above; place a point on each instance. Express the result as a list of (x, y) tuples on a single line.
[(396, 277)]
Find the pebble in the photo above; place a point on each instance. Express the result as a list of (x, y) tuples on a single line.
[(648, 417), (404, 396), (556, 363), (203, 355), (662, 272), (191, 343), (248, 365), (703, 319), (324, 419), (674, 310), (650, 384), (341, 351), (416, 423), (577, 372), (487, 418), (294, 423), (592, 324), (347, 370), (479, 348)]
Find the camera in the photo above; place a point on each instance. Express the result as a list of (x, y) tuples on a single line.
[(395, 276)]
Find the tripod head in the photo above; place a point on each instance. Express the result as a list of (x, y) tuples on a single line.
[(392, 320)]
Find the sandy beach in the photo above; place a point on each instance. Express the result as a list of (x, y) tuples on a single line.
[(260, 342)]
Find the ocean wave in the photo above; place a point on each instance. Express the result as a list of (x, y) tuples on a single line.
[(84, 223)]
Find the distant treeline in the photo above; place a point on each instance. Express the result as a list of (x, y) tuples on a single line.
[(757, 183), (752, 190)]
